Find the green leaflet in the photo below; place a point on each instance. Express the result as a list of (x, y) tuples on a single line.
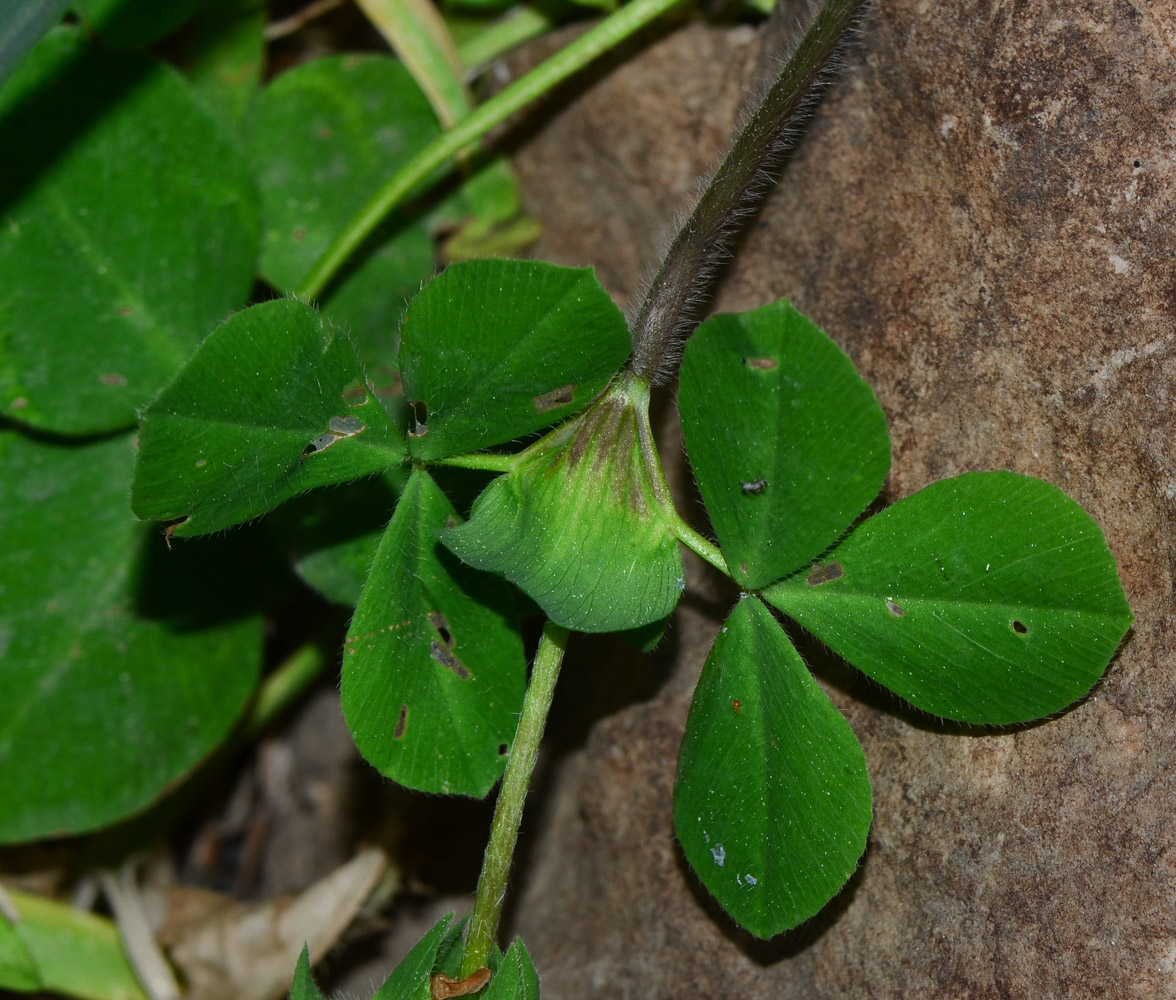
[(772, 801), (990, 598), (130, 229), (273, 403), (786, 439), (433, 669), (579, 523), (492, 350)]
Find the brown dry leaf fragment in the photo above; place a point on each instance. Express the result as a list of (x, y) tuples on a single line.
[(442, 987), (247, 950)]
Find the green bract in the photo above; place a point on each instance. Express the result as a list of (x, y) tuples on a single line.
[(513, 977), (580, 522)]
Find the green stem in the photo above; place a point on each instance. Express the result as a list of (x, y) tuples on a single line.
[(606, 35), (738, 187), (283, 686), (508, 812), (517, 26), (699, 545)]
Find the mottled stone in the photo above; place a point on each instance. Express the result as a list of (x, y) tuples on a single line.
[(983, 216)]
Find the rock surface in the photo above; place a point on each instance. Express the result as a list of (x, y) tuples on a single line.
[(984, 216)]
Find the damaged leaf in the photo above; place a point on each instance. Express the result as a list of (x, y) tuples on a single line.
[(772, 802), (492, 350), (433, 668), (266, 409), (786, 439), (988, 598)]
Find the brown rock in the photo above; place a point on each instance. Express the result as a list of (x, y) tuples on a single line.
[(983, 216)]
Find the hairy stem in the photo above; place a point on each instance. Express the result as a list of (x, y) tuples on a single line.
[(610, 32), (737, 189), (508, 812)]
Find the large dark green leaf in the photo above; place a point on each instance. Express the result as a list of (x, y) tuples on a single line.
[(772, 801), (787, 441), (495, 349), (433, 668), (579, 523), (130, 229), (990, 597), (323, 137), (123, 664), (273, 403)]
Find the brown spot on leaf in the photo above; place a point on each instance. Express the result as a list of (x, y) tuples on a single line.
[(761, 364), (299, 234), (401, 723), (355, 393), (441, 626), (123, 311), (824, 574), (736, 704), (444, 656), (1019, 627), (112, 378), (554, 399), (895, 609), (385, 382), (442, 651)]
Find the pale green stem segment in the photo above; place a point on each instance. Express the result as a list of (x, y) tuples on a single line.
[(519, 25), (605, 36), (699, 545), (508, 812), (284, 685), (481, 462)]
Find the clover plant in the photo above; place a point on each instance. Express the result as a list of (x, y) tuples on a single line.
[(989, 598)]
